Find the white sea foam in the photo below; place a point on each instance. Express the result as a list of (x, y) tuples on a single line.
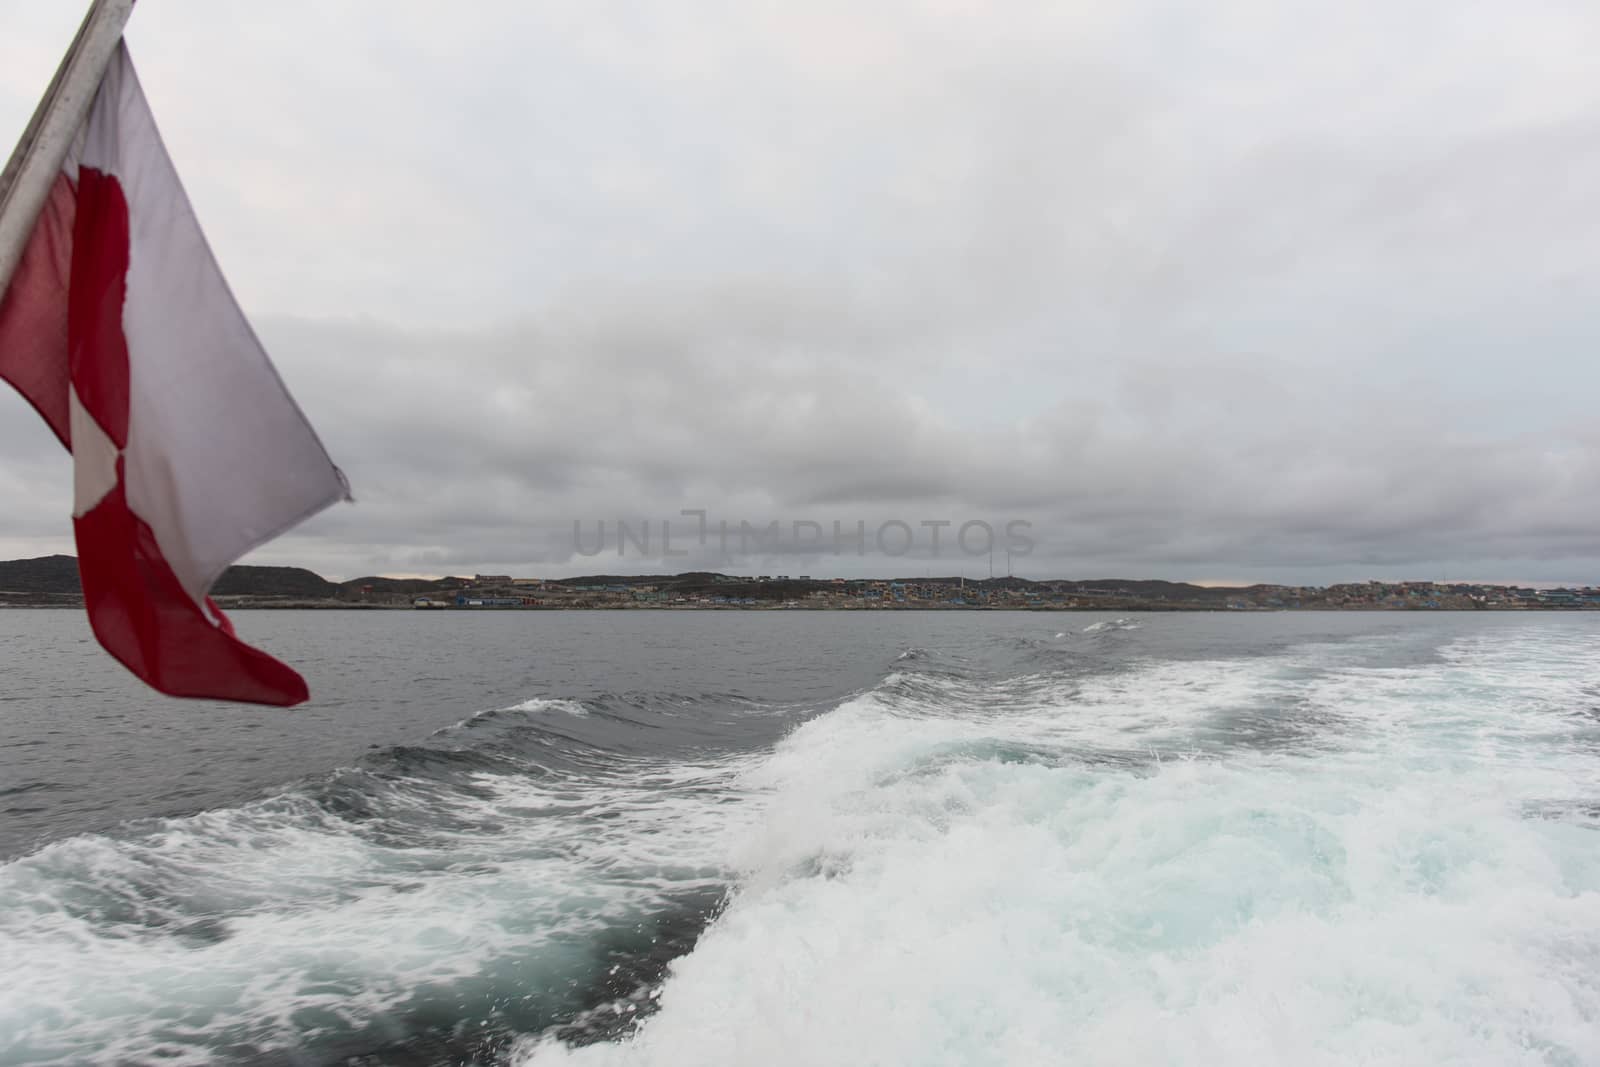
[(1316, 861), (277, 924), (570, 707), (535, 704), (1301, 857)]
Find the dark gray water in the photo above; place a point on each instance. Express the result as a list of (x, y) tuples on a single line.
[(798, 837), (87, 747)]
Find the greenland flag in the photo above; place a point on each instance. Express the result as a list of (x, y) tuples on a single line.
[(187, 449)]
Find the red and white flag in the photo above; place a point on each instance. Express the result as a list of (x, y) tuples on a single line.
[(188, 450)]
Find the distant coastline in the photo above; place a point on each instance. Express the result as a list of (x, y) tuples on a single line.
[(52, 582)]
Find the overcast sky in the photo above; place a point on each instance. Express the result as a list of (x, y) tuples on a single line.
[(1251, 290)]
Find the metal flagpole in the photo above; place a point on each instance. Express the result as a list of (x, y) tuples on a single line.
[(31, 171)]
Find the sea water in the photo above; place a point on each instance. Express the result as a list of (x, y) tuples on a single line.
[(814, 838)]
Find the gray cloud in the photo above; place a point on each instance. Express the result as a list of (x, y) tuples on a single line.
[(1287, 292)]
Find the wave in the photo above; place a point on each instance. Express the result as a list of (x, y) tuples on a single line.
[(996, 858), (351, 913), (1106, 625), (1112, 868)]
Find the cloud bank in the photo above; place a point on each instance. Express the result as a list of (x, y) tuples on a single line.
[(1282, 293)]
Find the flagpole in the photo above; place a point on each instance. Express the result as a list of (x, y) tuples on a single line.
[(25, 183)]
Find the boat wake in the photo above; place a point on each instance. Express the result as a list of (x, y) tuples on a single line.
[(1302, 856), (1298, 858)]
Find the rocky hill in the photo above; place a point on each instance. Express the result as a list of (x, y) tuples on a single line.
[(294, 582), (57, 576), (47, 574)]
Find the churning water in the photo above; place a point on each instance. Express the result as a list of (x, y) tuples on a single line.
[(814, 838)]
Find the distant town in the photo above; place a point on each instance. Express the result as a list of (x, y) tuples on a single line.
[(52, 581), (490, 592)]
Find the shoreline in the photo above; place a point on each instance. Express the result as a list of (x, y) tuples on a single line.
[(1049, 609)]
